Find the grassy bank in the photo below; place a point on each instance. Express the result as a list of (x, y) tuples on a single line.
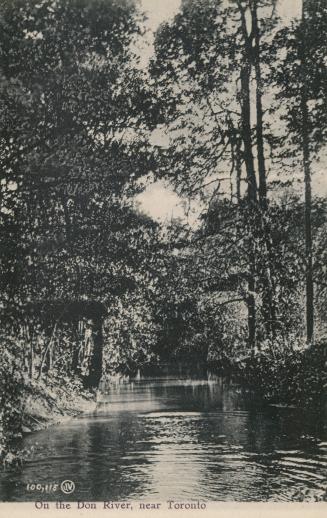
[(35, 405)]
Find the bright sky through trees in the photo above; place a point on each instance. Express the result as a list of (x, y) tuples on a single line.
[(159, 200)]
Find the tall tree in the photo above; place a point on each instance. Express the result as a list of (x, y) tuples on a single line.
[(301, 77), (307, 177), (208, 60)]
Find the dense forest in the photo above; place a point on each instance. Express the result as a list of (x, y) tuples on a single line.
[(90, 285)]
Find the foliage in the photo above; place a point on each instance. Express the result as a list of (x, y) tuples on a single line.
[(11, 382), (290, 43), (288, 373), (130, 335), (74, 145), (89, 283)]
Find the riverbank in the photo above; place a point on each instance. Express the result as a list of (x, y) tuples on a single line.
[(41, 404), (282, 376), (206, 434), (48, 404)]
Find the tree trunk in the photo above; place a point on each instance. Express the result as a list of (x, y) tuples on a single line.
[(269, 303), (252, 306), (96, 360), (247, 134), (307, 185), (251, 181), (31, 365), (238, 171), (46, 350), (50, 358), (259, 111)]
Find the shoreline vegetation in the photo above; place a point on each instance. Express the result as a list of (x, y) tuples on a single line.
[(39, 406), (298, 380)]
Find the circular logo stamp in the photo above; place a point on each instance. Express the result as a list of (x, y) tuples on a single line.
[(67, 487)]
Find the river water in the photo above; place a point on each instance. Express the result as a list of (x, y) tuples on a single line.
[(178, 439)]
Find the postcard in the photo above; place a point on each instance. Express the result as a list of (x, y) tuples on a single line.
[(163, 258)]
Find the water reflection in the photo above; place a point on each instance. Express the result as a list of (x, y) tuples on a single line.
[(178, 438)]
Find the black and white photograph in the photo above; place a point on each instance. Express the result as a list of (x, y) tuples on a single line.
[(163, 253)]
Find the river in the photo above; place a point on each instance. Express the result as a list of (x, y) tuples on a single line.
[(176, 438)]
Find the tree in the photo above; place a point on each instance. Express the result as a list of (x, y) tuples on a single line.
[(74, 145), (301, 78), (207, 61), (307, 181)]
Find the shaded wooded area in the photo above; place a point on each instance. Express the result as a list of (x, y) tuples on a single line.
[(90, 284)]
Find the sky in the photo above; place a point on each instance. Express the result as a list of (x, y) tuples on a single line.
[(159, 200)]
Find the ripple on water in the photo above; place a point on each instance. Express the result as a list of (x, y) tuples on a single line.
[(178, 439)]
